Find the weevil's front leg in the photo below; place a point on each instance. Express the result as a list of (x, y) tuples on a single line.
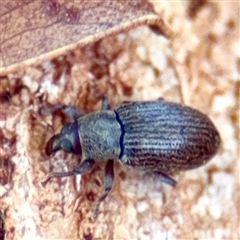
[(109, 177), (71, 111), (82, 168), (165, 178)]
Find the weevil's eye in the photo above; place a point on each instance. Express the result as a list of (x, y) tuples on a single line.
[(70, 141), (67, 140), (66, 146)]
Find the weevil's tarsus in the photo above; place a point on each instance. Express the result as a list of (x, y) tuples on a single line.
[(82, 168), (166, 178), (109, 177), (56, 175)]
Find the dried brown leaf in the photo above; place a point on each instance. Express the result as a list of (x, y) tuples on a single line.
[(34, 30)]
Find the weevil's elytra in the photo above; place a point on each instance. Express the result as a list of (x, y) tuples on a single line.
[(166, 136), (157, 136)]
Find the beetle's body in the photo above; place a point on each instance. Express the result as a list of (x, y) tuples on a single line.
[(158, 136), (155, 135), (166, 136)]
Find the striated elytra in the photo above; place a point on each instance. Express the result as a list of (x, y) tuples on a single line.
[(157, 136)]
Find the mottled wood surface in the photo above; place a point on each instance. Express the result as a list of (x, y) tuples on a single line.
[(198, 65)]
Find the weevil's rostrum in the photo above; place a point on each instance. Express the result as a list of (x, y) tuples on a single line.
[(157, 136)]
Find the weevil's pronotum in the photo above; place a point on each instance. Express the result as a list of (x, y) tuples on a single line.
[(157, 136)]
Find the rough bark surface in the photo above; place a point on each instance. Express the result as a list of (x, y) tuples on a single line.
[(198, 66)]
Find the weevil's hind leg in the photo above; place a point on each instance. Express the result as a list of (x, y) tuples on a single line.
[(165, 178), (82, 168), (109, 177)]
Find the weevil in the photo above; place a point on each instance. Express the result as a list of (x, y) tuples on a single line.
[(157, 136)]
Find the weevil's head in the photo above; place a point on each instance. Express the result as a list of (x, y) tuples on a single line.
[(67, 140)]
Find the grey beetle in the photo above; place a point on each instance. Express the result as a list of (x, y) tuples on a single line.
[(158, 136)]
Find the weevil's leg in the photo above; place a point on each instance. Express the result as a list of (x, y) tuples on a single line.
[(105, 103), (71, 111), (82, 168), (165, 178), (109, 177)]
